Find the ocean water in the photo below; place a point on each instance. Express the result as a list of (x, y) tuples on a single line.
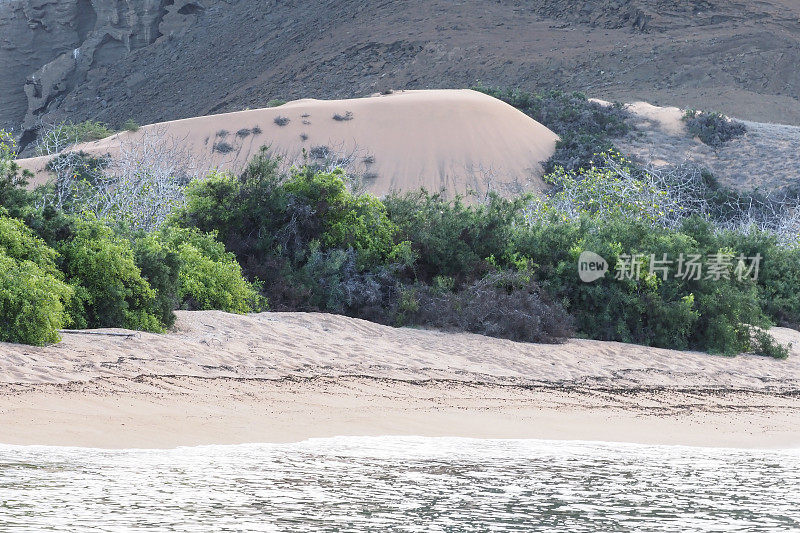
[(400, 484)]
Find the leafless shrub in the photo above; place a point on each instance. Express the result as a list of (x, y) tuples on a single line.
[(223, 147), (303, 137), (666, 196), (368, 160), (256, 130), (222, 134), (139, 186), (244, 132), (281, 120), (319, 152), (343, 118), (56, 138), (503, 304)]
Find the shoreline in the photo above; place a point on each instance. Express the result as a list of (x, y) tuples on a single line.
[(287, 377), (167, 412)]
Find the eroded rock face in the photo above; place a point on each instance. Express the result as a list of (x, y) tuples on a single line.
[(54, 45)]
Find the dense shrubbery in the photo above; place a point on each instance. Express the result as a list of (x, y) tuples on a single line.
[(508, 268), (317, 246), (111, 291), (32, 291), (70, 269), (208, 276), (708, 314), (276, 225), (586, 128), (418, 258), (451, 238), (714, 129)]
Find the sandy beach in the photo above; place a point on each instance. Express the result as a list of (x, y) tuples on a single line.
[(279, 377)]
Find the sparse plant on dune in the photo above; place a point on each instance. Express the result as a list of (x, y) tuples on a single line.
[(348, 115), (712, 128), (223, 147), (130, 125), (281, 120)]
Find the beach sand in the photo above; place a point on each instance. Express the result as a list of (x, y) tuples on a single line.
[(277, 377)]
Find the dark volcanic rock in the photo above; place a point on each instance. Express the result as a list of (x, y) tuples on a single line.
[(51, 47)]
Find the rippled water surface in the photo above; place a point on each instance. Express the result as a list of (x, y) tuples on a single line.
[(400, 484)]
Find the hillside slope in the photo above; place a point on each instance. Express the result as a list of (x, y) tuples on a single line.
[(162, 59)]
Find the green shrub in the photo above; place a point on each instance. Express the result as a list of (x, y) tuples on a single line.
[(110, 289), (766, 345), (130, 125), (18, 242), (208, 276), (778, 276), (707, 314), (713, 129), (276, 102), (32, 293), (160, 266), (451, 238), (31, 302), (9, 169), (265, 214)]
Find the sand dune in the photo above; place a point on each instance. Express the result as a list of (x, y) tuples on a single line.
[(222, 378), (457, 140)]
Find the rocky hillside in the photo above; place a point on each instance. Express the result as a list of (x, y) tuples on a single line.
[(155, 60)]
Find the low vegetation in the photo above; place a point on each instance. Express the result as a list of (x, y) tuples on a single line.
[(585, 127), (713, 129), (56, 138), (130, 125), (343, 117)]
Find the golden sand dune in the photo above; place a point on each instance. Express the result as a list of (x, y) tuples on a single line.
[(222, 378), (457, 140)]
